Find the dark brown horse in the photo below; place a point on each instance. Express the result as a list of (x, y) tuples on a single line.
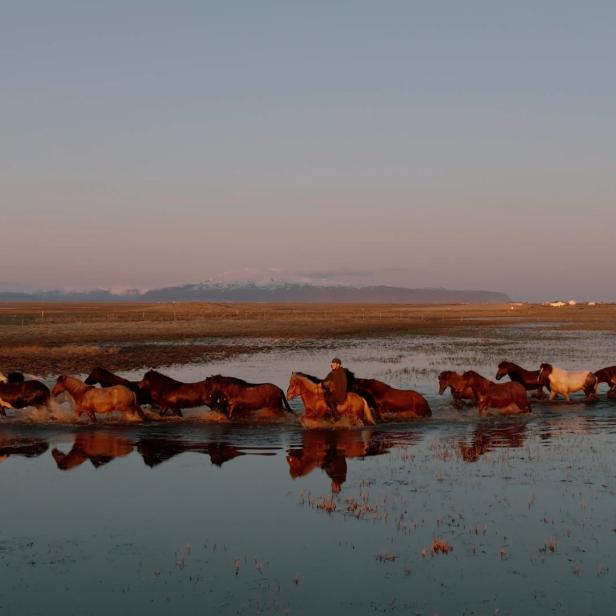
[(528, 378), (171, 395), (607, 375), (509, 398), (459, 384), (392, 402), (105, 378), (21, 394), (237, 395)]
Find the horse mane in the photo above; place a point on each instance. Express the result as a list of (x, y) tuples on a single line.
[(314, 379), (230, 379), (160, 375), (351, 378)]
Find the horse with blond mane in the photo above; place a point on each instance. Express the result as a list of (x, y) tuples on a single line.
[(309, 389), (91, 400)]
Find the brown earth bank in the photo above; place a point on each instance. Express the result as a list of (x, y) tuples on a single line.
[(54, 338)]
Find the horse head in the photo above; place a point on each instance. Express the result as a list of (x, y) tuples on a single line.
[(93, 377), (544, 373), (60, 386), (503, 370), (294, 388), (443, 381)]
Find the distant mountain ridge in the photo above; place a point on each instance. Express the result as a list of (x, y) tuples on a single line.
[(269, 292)]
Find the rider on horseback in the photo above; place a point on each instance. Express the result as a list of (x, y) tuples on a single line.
[(335, 386)]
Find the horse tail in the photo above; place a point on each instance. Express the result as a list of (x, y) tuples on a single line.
[(368, 413), (285, 403)]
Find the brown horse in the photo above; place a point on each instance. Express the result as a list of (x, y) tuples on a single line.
[(607, 375), (394, 402), (461, 388), (91, 400), (528, 378), (17, 394), (99, 448), (309, 389), (509, 398), (105, 378), (236, 395), (171, 395)]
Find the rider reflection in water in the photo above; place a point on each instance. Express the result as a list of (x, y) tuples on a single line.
[(335, 386)]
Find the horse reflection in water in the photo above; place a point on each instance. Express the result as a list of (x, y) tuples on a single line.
[(26, 447), (157, 450), (97, 447), (491, 436), (102, 447), (329, 450)]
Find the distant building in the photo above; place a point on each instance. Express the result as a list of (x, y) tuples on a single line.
[(557, 304), (572, 302)]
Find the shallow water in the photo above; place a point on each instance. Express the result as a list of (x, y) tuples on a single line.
[(255, 519)]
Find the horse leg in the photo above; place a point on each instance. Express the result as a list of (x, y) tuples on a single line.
[(552, 395), (539, 394), (92, 416), (178, 413), (138, 411), (3, 410)]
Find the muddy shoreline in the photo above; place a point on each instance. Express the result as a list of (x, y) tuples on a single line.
[(49, 339)]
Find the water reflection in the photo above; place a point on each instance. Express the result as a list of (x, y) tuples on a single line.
[(155, 451), (329, 451), (488, 436), (98, 447), (26, 447)]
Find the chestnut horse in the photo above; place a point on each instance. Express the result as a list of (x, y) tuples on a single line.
[(388, 400), (105, 378), (91, 400), (563, 382), (15, 394), (171, 395), (236, 395), (461, 385), (607, 375), (528, 378), (509, 398), (309, 389)]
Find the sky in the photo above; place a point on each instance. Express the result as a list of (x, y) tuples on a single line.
[(420, 143)]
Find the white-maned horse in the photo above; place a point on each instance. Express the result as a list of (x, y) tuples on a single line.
[(564, 382)]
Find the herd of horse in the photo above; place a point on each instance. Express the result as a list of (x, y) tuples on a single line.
[(368, 401)]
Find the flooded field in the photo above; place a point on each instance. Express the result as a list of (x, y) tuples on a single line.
[(451, 515)]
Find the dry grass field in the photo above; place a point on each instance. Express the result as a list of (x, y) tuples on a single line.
[(52, 338)]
